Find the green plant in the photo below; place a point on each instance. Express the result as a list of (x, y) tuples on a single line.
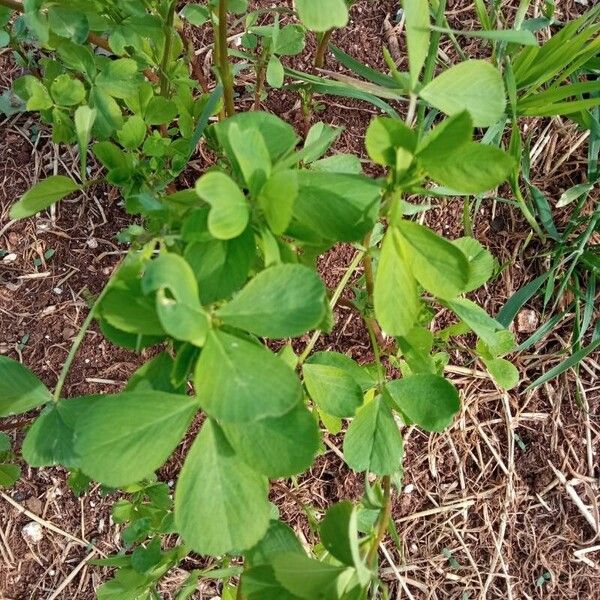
[(217, 274)]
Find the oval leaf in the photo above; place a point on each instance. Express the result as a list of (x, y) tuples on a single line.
[(229, 213), (428, 400), (124, 438), (473, 85), (237, 380), (42, 195), (282, 301), (220, 502), (20, 389)]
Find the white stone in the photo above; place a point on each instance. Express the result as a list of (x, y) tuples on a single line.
[(32, 532)]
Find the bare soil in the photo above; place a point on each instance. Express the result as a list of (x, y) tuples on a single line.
[(482, 513)]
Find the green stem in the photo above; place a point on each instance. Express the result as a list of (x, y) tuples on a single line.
[(224, 64), (76, 344), (383, 521), (261, 72), (164, 65), (527, 213), (333, 302), (322, 49)]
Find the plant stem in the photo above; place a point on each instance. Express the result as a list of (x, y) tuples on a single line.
[(333, 302), (382, 522), (164, 65), (224, 65), (527, 213), (76, 344), (261, 73), (322, 49)]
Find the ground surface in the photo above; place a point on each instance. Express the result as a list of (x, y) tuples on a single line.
[(482, 513)]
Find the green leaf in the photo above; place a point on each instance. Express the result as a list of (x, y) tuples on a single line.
[(439, 266), (69, 23), (84, 122), (5, 439), (318, 141), (505, 374), (574, 193), (133, 132), (279, 538), (339, 534), (282, 301), (567, 364), (444, 139), (417, 36), (481, 263), (120, 78), (259, 583), (50, 440), (160, 111), (196, 14), (277, 197), (306, 577), (9, 475), (477, 319), (428, 400), (221, 267), (109, 116), (332, 389), (472, 168), (290, 41), (361, 375), (42, 195), (322, 16), (220, 503), (33, 92), (156, 374), (397, 302), (473, 85), (337, 206), (278, 135), (20, 389), (229, 213), (373, 442), (252, 156), (180, 312), (510, 36), (384, 137), (67, 91), (124, 438), (275, 73), (278, 446), (238, 381)]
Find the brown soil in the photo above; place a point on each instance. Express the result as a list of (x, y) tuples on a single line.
[(482, 514)]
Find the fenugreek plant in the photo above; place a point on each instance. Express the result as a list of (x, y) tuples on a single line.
[(219, 275)]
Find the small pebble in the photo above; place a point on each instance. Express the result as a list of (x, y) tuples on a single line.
[(32, 532), (9, 258), (409, 489)]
